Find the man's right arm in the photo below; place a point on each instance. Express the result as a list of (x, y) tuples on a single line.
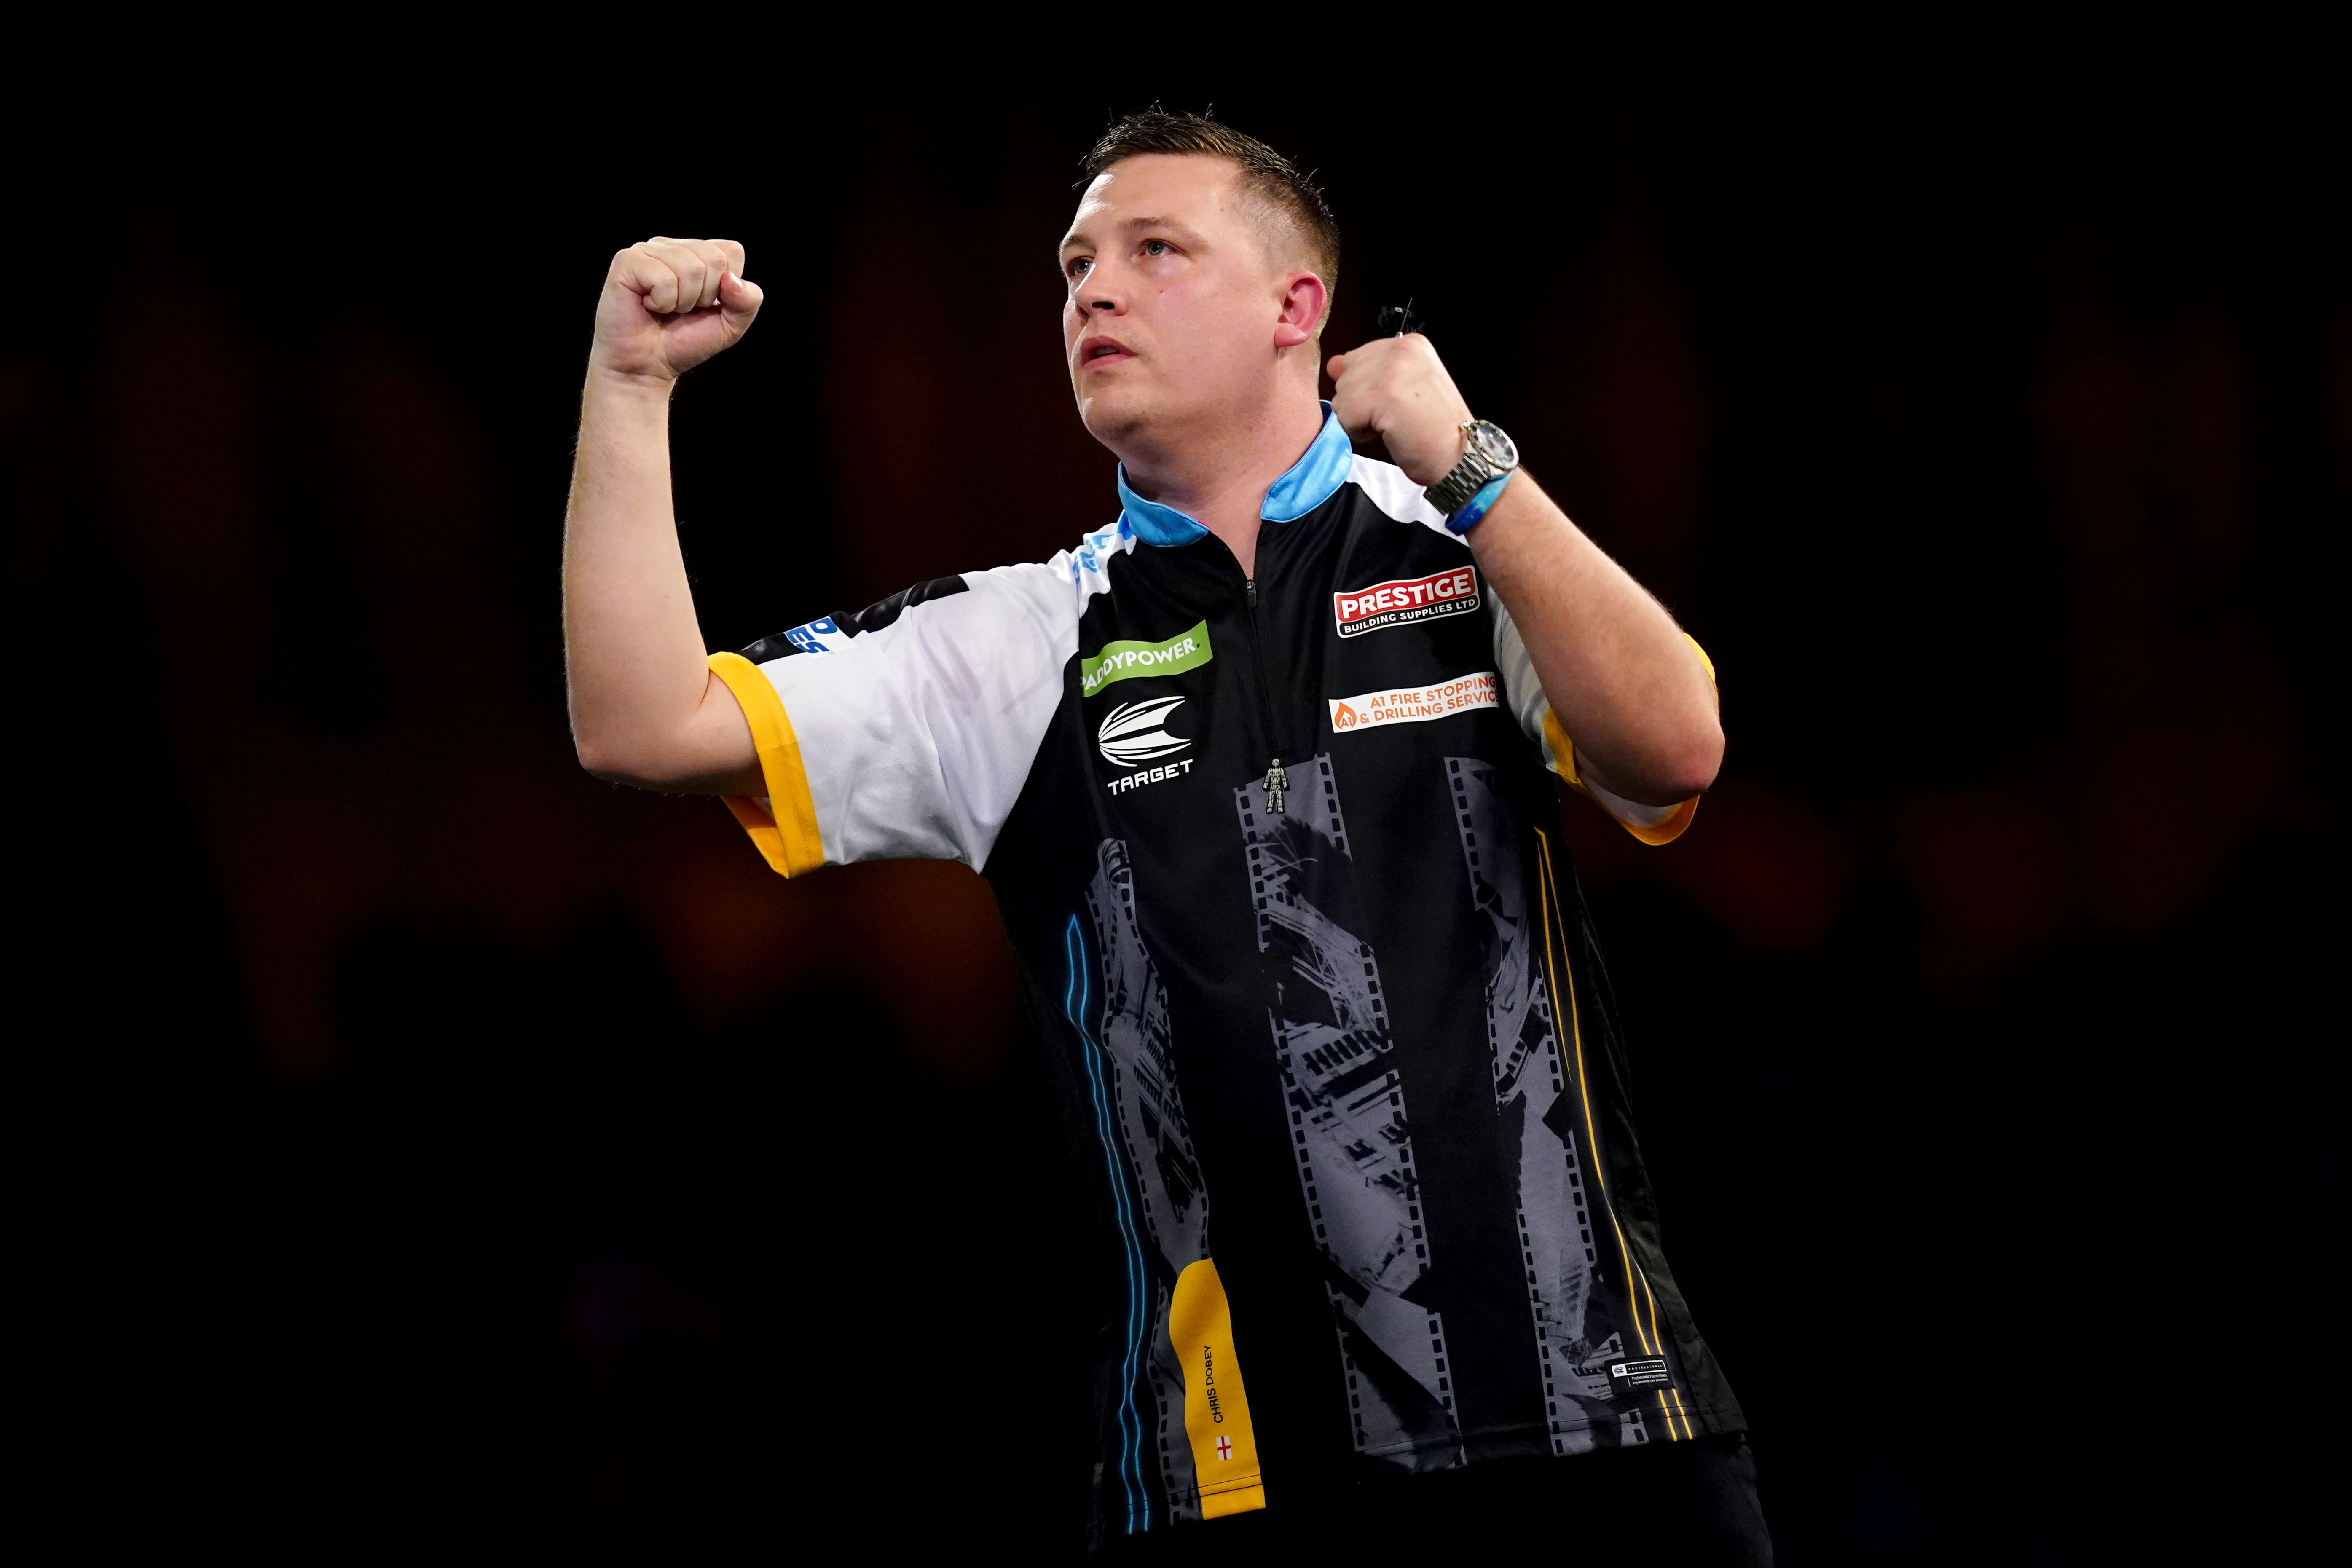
[(645, 707)]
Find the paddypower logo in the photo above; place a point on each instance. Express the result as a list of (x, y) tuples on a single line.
[(1122, 660)]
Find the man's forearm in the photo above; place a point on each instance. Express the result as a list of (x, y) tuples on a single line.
[(1621, 678), (646, 709), (1624, 682)]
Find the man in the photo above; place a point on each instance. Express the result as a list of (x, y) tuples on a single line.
[(1259, 773)]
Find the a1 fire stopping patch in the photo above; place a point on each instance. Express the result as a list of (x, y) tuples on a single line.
[(1412, 704)]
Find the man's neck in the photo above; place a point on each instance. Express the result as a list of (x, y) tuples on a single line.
[(1221, 482)]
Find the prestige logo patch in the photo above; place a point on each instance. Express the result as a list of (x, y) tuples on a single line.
[(1411, 704), (1123, 661), (1406, 601)]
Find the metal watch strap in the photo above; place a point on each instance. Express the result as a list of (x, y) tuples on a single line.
[(1452, 493)]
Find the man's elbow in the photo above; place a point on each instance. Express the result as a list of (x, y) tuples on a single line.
[(1690, 769)]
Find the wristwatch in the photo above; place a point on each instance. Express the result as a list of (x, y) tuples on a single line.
[(1488, 455)]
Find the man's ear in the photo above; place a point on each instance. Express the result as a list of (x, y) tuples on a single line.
[(1305, 301)]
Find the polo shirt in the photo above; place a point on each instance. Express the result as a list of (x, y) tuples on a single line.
[(1325, 1018)]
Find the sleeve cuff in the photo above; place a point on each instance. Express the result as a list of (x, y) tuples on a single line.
[(782, 826)]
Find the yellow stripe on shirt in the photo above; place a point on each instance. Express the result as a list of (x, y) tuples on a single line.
[(1216, 1406)]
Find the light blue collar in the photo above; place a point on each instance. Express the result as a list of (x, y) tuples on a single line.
[(1308, 484)]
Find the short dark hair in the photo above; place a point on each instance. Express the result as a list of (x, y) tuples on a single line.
[(1266, 174)]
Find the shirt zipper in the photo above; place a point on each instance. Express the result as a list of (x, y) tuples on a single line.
[(1277, 782)]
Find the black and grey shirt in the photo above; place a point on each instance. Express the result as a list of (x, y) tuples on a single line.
[(1322, 1003)]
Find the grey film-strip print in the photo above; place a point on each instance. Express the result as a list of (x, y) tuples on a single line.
[(1345, 1103), (1534, 1102), (1159, 1142)]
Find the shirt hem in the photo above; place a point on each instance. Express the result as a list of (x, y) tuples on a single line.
[(1710, 1421), (1706, 1421)]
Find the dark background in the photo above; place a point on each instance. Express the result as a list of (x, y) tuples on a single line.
[(415, 1140)]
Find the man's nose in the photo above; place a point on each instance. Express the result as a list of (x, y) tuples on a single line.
[(1100, 295)]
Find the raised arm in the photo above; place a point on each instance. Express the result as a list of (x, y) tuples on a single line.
[(1620, 675), (646, 709)]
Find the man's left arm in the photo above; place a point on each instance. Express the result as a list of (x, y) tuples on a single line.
[(1619, 673)]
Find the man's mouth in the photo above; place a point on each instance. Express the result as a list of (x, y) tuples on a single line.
[(1095, 349)]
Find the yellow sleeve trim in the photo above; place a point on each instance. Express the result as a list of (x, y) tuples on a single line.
[(1563, 750), (783, 827), (1666, 829)]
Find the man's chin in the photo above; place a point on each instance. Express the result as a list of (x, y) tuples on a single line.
[(1116, 415)]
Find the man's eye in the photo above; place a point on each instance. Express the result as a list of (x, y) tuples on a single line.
[(1078, 266), (1155, 248)]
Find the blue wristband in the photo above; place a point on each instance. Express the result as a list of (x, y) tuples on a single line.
[(1478, 506)]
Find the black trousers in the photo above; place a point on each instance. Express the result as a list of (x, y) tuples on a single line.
[(1684, 1503)]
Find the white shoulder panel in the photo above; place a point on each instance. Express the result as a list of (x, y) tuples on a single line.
[(1398, 495), (1087, 567), (917, 738), (1522, 693)]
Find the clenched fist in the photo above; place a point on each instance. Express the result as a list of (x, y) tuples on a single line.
[(1398, 387), (669, 304)]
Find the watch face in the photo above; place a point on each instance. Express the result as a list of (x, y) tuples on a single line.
[(1491, 443)]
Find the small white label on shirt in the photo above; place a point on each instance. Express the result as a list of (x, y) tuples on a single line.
[(1411, 704)]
